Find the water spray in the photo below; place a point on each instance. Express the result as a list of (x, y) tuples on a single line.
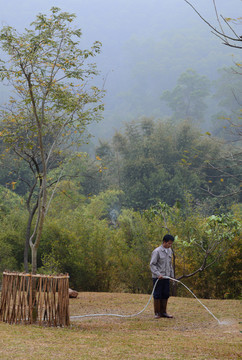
[(136, 314)]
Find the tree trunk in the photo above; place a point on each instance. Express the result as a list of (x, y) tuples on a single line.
[(26, 252), (28, 230), (174, 284), (26, 248), (34, 259)]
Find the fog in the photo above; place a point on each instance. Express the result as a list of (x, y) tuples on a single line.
[(147, 45)]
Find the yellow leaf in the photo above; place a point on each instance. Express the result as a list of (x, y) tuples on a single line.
[(98, 158), (221, 180), (13, 184)]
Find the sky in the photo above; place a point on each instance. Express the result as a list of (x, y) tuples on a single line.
[(132, 33), (95, 16)]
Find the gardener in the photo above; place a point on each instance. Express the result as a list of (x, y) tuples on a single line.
[(161, 266)]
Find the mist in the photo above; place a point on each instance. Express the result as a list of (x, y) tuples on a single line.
[(146, 46)]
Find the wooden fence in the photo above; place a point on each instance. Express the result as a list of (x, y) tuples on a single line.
[(35, 299)]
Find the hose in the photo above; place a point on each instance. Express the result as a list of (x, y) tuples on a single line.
[(117, 315), (138, 313), (205, 307)]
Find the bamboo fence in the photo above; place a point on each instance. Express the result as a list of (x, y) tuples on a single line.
[(35, 299)]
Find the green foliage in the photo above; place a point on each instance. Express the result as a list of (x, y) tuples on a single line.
[(227, 91), (103, 253), (9, 201), (78, 241), (154, 161), (12, 233), (13, 171), (48, 73), (101, 206), (187, 99)]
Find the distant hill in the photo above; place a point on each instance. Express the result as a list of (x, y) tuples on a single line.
[(146, 46)]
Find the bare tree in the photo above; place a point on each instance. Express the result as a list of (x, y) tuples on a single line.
[(225, 32)]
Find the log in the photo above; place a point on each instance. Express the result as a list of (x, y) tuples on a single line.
[(73, 293)]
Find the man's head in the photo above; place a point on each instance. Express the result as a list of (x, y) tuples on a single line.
[(168, 241)]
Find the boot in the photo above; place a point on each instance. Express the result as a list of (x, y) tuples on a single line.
[(163, 309), (157, 308)]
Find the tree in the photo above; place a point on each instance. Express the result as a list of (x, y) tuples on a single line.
[(84, 250), (160, 161), (228, 97), (187, 99), (51, 104), (201, 242), (230, 38)]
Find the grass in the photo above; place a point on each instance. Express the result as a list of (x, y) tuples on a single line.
[(193, 334)]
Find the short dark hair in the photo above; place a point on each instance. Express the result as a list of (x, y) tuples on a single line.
[(168, 237)]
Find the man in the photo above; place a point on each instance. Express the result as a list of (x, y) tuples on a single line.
[(161, 266)]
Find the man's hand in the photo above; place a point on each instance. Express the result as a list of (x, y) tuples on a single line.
[(160, 277)]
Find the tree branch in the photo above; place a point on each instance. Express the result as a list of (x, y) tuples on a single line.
[(221, 33)]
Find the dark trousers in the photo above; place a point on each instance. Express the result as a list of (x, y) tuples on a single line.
[(162, 289)]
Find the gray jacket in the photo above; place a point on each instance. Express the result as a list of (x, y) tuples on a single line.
[(161, 262)]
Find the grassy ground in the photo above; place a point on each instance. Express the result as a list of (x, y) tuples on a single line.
[(192, 334)]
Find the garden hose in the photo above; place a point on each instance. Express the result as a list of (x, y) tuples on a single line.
[(136, 314)]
